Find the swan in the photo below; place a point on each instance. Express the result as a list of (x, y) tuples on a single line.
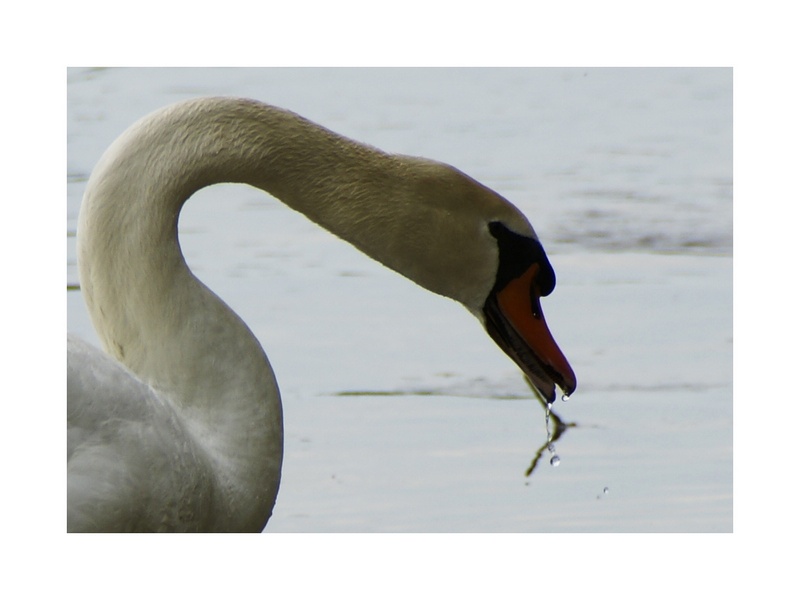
[(177, 426)]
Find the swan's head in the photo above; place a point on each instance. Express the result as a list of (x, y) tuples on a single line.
[(467, 242)]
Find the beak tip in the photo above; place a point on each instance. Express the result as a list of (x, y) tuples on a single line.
[(569, 386), (547, 386)]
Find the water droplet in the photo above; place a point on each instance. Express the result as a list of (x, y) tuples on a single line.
[(547, 424), (555, 461), (605, 490), (564, 397), (552, 448)]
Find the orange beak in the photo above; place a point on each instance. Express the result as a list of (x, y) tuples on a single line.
[(515, 321)]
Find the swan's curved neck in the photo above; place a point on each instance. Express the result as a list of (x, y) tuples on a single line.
[(144, 301), (155, 317)]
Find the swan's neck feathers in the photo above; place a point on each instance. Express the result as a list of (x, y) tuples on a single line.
[(148, 308)]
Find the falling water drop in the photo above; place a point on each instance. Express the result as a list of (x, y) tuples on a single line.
[(555, 461), (605, 490), (547, 424)]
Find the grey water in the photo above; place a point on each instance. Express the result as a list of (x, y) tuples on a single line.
[(400, 413)]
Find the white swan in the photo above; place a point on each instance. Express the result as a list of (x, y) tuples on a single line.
[(179, 427)]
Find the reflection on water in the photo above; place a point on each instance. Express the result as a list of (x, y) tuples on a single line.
[(549, 436), (559, 427), (480, 388)]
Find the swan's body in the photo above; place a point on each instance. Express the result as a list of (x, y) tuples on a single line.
[(179, 427)]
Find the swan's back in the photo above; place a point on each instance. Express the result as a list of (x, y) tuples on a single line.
[(132, 465)]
